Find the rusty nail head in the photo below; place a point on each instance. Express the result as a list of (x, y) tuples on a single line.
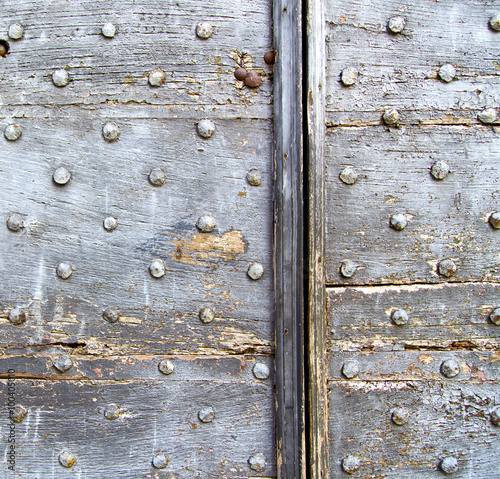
[(160, 461), (495, 416), (13, 132), (64, 270), (399, 317), (16, 31), (240, 73), (270, 57), (110, 131), (111, 315), (440, 170), (348, 268), (396, 24), (447, 73), (17, 316), (206, 315), (253, 79), (206, 224), (489, 115), (60, 77), (400, 416), (110, 223), (17, 414), (108, 30), (4, 48), (449, 465), (450, 368), (157, 177), (112, 412), (399, 221), (166, 366), (261, 371), (204, 30), (495, 220), (157, 268), (350, 369), (66, 459), (447, 268), (255, 271), (348, 175), (206, 128), (257, 462), (391, 117), (351, 464), (157, 77), (495, 22), (349, 76), (254, 177), (495, 317), (63, 363), (206, 414), (15, 222), (61, 176)]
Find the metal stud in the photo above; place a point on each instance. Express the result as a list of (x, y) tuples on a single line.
[(254, 177), (253, 79), (206, 315), (206, 128), (489, 115), (60, 77), (110, 223), (13, 132), (399, 317), (66, 459), (63, 363), (64, 270), (257, 462), (447, 268), (17, 316), (157, 77), (348, 175), (440, 170), (110, 131), (157, 177), (166, 366), (400, 416), (447, 73), (495, 220), (108, 30), (204, 30), (495, 317), (206, 414), (160, 461), (61, 176), (495, 22), (449, 465), (349, 76), (17, 414), (111, 315), (240, 73), (157, 268), (4, 48), (261, 371), (391, 117), (270, 57), (255, 271), (450, 368), (112, 412), (399, 222), (15, 222), (16, 31), (495, 416), (350, 369), (396, 24), (206, 224), (351, 464), (348, 268)]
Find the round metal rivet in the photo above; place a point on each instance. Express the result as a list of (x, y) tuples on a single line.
[(350, 369), (16, 31), (495, 22), (257, 462), (157, 177), (15, 222), (17, 316), (63, 363), (157, 268), (399, 317), (110, 131), (495, 416), (60, 78), (13, 132), (166, 366), (207, 414), (348, 268), (349, 76), (270, 57), (206, 315), (111, 315), (206, 224), (348, 175), (489, 115), (204, 30), (255, 271), (396, 24), (391, 117), (61, 176), (450, 368), (351, 464), (157, 77), (17, 414), (261, 371), (66, 459), (108, 30), (253, 79), (64, 270), (447, 73), (449, 465), (447, 268), (399, 222), (160, 461), (112, 412), (206, 128), (254, 177), (495, 220), (495, 317), (440, 170), (240, 73), (400, 416), (110, 223)]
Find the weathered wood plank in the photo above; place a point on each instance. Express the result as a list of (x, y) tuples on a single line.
[(446, 219)]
